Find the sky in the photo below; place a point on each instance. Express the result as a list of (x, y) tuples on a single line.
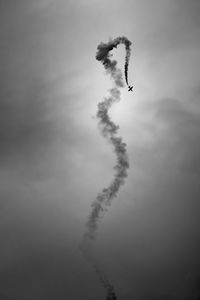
[(54, 161)]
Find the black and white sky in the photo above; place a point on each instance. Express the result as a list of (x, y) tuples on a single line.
[(53, 160)]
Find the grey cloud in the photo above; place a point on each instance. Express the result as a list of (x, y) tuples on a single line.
[(176, 26), (165, 216), (24, 126), (159, 242), (181, 126), (151, 242), (190, 10)]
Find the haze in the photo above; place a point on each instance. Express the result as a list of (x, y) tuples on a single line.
[(54, 161)]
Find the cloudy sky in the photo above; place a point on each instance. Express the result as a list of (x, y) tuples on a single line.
[(53, 160)]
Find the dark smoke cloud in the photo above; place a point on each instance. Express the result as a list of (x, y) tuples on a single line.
[(109, 131), (103, 55)]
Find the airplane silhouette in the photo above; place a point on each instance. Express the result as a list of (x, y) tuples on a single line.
[(130, 88)]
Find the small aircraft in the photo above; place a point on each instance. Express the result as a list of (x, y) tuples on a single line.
[(130, 88)]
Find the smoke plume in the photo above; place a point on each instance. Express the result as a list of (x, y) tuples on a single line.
[(109, 130), (103, 53)]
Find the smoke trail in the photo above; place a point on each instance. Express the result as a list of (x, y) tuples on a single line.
[(103, 51), (127, 58), (109, 131)]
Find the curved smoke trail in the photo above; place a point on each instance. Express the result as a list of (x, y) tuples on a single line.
[(109, 131)]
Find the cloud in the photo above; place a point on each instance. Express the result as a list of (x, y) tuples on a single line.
[(180, 134), (159, 242), (24, 124), (153, 238)]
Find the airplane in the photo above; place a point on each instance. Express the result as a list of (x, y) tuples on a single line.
[(130, 88)]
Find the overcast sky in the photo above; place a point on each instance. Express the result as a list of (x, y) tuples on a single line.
[(54, 161)]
